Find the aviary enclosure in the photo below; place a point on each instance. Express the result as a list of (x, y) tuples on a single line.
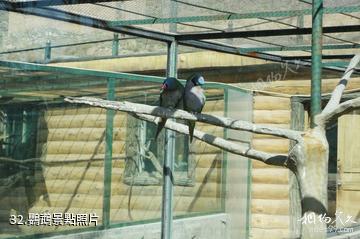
[(77, 146)]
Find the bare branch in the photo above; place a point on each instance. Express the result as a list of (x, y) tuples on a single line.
[(272, 159), (184, 115), (341, 109), (339, 89)]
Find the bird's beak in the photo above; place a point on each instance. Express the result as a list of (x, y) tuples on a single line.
[(163, 87)]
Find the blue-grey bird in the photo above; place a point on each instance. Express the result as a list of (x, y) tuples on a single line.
[(194, 98), (171, 95)]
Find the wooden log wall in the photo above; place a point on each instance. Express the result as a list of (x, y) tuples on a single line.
[(270, 184)]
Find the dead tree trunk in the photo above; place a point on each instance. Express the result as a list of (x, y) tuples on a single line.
[(311, 157), (308, 159)]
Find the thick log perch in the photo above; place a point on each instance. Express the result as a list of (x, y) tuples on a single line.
[(184, 115), (273, 159)]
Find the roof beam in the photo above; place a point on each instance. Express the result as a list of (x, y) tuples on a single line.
[(298, 48), (325, 57), (265, 33), (234, 16)]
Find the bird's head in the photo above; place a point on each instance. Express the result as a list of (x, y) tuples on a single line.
[(169, 84), (198, 79)]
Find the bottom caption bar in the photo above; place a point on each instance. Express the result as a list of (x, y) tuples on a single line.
[(55, 219)]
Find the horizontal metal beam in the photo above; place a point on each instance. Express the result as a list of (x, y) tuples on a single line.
[(61, 15), (69, 85), (343, 64), (326, 57), (78, 71), (233, 16), (45, 3), (298, 48), (264, 33), (214, 46), (93, 81)]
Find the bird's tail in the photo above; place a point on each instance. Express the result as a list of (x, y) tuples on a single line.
[(161, 125), (191, 125)]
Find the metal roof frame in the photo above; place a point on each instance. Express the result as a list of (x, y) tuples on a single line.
[(184, 39)]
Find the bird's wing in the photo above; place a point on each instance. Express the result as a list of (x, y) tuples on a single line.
[(160, 100), (203, 101)]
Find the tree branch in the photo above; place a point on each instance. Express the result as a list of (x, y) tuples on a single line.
[(339, 89), (272, 159), (184, 115), (341, 109)]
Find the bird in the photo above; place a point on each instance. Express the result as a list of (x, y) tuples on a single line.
[(171, 95), (194, 98)]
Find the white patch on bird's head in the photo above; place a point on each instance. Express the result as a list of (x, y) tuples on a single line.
[(201, 80)]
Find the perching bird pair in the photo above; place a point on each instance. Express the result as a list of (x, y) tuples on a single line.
[(190, 98)]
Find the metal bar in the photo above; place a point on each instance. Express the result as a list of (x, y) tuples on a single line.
[(47, 56), (60, 86), (298, 48), (224, 165), (265, 33), (63, 45), (21, 50), (343, 64), (108, 155), (173, 13), (78, 71), (235, 16), (109, 128), (328, 57), (316, 59), (167, 195), (90, 42), (300, 23), (115, 45), (45, 3), (215, 46)]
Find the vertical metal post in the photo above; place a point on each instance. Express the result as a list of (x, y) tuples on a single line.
[(225, 155), (47, 55), (108, 154), (108, 148), (230, 28), (300, 23), (115, 45), (173, 13), (316, 56), (167, 196), (28, 133)]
